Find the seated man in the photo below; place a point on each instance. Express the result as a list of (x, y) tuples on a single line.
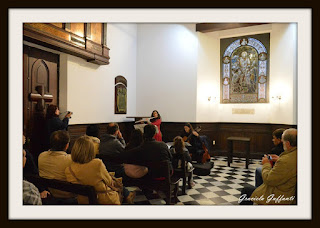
[(277, 150), (279, 182), (151, 150), (113, 145), (52, 163)]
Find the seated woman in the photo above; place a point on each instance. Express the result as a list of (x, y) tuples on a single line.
[(192, 137), (179, 151), (93, 132), (87, 170), (131, 170)]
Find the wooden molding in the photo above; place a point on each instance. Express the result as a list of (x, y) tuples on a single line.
[(212, 27), (61, 42)]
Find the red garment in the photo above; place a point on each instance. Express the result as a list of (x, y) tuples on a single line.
[(158, 136)]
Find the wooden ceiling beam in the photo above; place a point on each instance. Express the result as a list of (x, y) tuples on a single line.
[(213, 27)]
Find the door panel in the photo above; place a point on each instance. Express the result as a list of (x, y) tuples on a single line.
[(40, 85)]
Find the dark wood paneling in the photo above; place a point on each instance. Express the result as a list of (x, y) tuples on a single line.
[(212, 27), (260, 134)]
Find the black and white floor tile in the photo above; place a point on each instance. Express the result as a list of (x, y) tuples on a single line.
[(221, 187)]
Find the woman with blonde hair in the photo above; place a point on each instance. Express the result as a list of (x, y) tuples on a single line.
[(87, 170)]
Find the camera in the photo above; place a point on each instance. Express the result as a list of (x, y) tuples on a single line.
[(269, 157), (69, 112)]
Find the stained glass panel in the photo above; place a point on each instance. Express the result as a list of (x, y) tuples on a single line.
[(245, 70)]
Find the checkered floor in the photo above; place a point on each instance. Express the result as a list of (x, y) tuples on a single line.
[(221, 187)]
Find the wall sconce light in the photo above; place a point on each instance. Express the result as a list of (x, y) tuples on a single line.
[(276, 98), (213, 99)]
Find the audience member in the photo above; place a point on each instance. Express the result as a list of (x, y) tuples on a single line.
[(52, 163), (179, 151), (279, 182), (277, 150), (151, 150), (30, 168), (93, 132), (156, 121), (112, 145), (131, 170), (135, 140), (192, 137), (87, 170), (31, 195), (53, 122)]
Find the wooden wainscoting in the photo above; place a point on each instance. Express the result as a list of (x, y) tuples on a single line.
[(260, 134)]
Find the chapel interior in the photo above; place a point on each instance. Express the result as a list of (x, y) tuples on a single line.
[(175, 68)]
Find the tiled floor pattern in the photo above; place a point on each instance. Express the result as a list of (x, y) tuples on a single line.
[(221, 187)]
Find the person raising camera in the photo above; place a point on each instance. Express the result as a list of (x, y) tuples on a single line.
[(53, 122)]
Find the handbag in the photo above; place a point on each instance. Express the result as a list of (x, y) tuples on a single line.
[(115, 187)]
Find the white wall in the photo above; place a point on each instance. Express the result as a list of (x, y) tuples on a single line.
[(87, 89), (282, 76), (167, 71), (172, 68)]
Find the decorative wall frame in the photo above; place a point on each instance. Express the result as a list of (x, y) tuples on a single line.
[(245, 69), (120, 102)]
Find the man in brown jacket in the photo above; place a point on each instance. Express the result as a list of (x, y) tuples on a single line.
[(279, 182), (52, 163)]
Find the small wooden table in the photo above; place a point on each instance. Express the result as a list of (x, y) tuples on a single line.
[(230, 148)]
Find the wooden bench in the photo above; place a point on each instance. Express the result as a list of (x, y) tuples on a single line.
[(77, 189), (168, 184)]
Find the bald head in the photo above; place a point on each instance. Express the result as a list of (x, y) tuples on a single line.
[(289, 138)]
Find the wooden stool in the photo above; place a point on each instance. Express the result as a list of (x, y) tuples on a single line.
[(230, 148)]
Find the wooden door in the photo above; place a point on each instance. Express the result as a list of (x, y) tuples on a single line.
[(40, 88)]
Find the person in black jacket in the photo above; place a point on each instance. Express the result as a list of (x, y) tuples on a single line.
[(150, 150), (30, 169), (53, 122), (192, 137), (277, 150), (179, 153)]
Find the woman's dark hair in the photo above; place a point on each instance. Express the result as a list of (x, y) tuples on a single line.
[(51, 111), (278, 133), (189, 126), (136, 138), (93, 130), (154, 119), (178, 144)]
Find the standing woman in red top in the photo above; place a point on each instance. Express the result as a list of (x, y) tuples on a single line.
[(157, 122)]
